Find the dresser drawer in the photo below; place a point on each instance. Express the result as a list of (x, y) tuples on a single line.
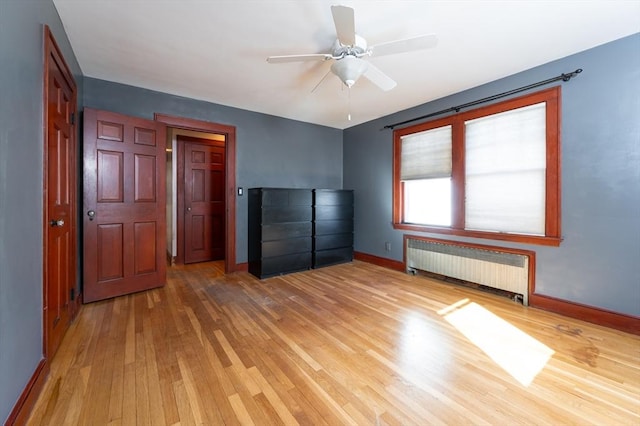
[(333, 212), (283, 264), (326, 227), (332, 197), (281, 231), (289, 246), (324, 242), (332, 257), (286, 214), (286, 197)]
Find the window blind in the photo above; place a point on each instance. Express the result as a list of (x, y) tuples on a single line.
[(426, 155), (505, 171)]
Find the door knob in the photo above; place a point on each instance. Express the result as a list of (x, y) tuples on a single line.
[(188, 209), (91, 214), (58, 222)]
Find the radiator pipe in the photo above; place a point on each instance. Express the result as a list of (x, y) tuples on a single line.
[(563, 77)]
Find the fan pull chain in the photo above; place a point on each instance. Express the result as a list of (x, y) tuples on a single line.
[(349, 103)]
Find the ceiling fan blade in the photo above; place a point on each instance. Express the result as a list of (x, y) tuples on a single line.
[(298, 58), (379, 78), (406, 45), (343, 18)]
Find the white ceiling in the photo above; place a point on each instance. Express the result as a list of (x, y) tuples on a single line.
[(216, 50)]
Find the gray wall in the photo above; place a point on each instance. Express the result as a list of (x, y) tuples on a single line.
[(597, 264), (271, 151), (21, 187)]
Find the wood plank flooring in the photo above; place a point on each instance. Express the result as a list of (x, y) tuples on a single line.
[(351, 344)]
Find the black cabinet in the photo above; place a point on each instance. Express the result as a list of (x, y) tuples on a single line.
[(280, 231), (332, 226), (296, 229)]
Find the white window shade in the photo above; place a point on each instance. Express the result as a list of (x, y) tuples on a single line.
[(426, 155), (505, 171)]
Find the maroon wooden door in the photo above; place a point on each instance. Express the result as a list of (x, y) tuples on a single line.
[(124, 205), (60, 196), (204, 199)]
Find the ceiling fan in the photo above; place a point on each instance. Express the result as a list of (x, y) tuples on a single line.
[(349, 49)]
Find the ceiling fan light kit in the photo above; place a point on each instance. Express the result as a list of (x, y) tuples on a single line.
[(349, 69), (349, 48)]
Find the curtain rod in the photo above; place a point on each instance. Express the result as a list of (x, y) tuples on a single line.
[(563, 77)]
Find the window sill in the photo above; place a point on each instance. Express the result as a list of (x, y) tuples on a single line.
[(516, 238)]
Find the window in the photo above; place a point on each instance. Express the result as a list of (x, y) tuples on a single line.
[(426, 173), (492, 172)]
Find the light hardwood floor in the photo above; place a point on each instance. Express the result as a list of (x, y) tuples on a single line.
[(349, 344)]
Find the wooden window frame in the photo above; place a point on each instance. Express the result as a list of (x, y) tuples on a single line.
[(552, 237)]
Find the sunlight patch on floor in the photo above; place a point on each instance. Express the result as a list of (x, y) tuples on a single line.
[(419, 342), (519, 354)]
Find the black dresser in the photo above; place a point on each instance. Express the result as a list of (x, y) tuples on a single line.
[(280, 230), (296, 229), (332, 226)]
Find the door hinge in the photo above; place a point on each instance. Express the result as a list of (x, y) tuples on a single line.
[(73, 118), (72, 294)]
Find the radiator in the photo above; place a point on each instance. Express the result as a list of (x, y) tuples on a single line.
[(491, 268)]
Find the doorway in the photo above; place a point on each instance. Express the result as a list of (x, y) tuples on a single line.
[(219, 135), (200, 198), (60, 304)]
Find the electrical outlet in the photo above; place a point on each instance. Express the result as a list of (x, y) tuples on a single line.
[(387, 246)]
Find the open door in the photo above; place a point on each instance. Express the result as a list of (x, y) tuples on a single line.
[(124, 205)]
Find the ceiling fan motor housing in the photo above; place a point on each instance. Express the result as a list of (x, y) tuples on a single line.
[(348, 65), (358, 50)]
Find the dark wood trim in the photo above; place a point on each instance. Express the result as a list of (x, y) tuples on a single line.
[(75, 306), (553, 183), (553, 235), (458, 173), (380, 261), (179, 159), (242, 267), (230, 171), (53, 52), (615, 320), (398, 184), (47, 41), (46, 36), (22, 408)]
